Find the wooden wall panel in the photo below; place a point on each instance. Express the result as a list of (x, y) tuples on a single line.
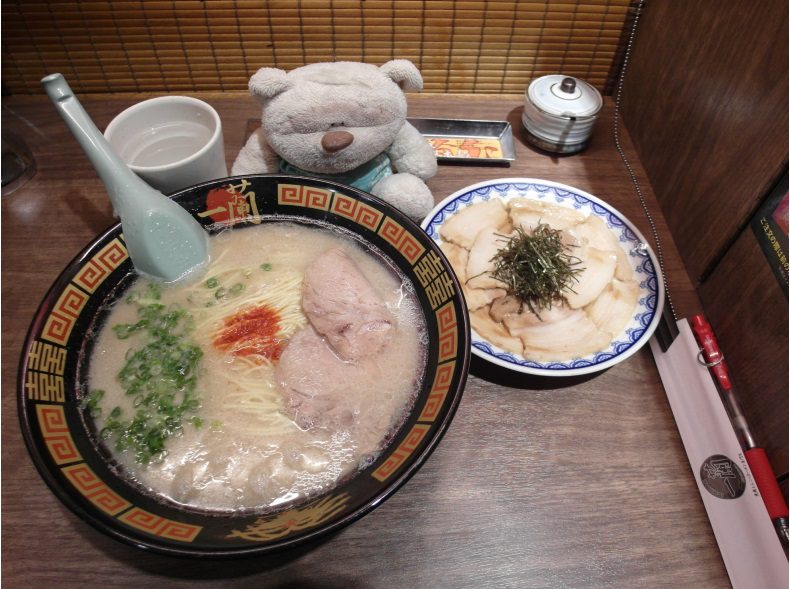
[(748, 311), (705, 102)]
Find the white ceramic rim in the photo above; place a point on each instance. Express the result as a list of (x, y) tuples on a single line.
[(530, 97), (125, 114), (558, 369)]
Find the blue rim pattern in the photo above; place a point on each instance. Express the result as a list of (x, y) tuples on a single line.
[(651, 286)]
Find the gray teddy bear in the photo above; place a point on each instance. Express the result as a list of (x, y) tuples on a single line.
[(343, 121)]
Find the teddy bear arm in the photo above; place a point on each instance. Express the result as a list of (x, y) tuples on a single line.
[(411, 152), (256, 157)]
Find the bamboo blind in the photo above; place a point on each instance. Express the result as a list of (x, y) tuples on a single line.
[(473, 47)]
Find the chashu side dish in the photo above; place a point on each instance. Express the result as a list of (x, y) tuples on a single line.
[(596, 299)]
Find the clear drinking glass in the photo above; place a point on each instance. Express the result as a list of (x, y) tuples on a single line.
[(18, 164)]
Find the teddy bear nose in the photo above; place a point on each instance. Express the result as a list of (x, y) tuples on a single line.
[(336, 140)]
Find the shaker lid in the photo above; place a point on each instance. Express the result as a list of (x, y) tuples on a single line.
[(564, 96)]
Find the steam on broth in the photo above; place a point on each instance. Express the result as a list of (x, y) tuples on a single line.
[(237, 437)]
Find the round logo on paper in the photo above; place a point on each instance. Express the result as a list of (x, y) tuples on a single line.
[(722, 477)]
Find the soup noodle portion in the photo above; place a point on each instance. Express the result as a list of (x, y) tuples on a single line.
[(241, 449)]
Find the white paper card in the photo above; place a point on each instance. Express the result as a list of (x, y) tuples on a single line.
[(744, 531)]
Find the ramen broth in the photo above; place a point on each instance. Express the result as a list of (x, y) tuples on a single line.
[(242, 450)]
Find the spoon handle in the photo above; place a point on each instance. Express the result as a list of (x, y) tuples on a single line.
[(116, 176), (164, 240)]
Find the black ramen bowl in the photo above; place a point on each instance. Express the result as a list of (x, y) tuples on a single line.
[(53, 373)]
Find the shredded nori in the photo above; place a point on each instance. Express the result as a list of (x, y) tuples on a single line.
[(536, 267)]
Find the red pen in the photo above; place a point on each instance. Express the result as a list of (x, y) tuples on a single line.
[(756, 457)]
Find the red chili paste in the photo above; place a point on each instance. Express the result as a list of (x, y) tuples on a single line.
[(249, 332)]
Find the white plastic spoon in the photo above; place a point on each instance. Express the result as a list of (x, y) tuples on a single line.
[(163, 239)]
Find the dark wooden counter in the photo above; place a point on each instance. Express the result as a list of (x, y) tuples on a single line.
[(582, 485)]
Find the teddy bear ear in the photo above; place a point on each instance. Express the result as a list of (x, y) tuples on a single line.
[(268, 82), (404, 73)]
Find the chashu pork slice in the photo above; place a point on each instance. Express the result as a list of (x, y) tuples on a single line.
[(570, 335), (598, 267), (480, 263), (314, 383), (595, 233), (528, 213), (515, 314), (559, 333), (463, 227), (344, 307), (615, 307), (493, 331), (475, 297)]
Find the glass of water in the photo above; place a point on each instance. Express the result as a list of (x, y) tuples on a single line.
[(171, 142)]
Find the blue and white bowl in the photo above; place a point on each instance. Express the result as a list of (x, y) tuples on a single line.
[(643, 261)]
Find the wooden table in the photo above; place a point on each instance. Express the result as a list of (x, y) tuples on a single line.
[(532, 486)]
